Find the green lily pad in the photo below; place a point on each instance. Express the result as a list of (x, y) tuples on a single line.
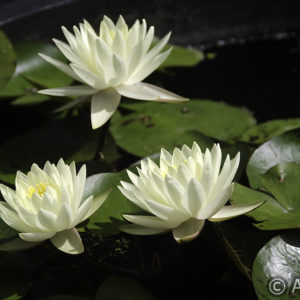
[(119, 288), (106, 220), (17, 86), (31, 99), (276, 269), (34, 68), (282, 207), (280, 149), (70, 138), (265, 131), (7, 59), (182, 57), (151, 126)]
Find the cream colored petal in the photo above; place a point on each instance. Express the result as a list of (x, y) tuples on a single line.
[(68, 52), (68, 241), (96, 203), (104, 104), (46, 218), (9, 195), (194, 198), (89, 78), (231, 211), (74, 90), (139, 230), (64, 218), (36, 236), (145, 70), (118, 45), (116, 73), (146, 91), (149, 221), (215, 204), (188, 230)]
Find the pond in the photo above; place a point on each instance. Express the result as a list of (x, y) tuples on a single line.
[(241, 75)]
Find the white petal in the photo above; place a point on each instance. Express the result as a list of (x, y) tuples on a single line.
[(146, 91), (116, 71), (188, 230), (89, 77), (97, 202), (145, 70), (104, 104), (149, 221), (67, 52), (231, 211), (215, 204), (46, 218), (194, 197), (68, 241), (9, 195), (74, 90), (36, 236), (139, 230), (64, 218)]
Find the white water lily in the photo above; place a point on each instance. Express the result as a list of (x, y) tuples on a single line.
[(186, 189), (110, 64), (48, 203)]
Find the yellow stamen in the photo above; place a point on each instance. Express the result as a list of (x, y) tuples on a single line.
[(39, 188)]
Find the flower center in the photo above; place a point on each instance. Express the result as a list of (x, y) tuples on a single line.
[(39, 188)]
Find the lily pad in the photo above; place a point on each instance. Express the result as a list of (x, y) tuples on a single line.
[(182, 57), (7, 59), (70, 138), (265, 131), (106, 221), (151, 126), (31, 66), (282, 207), (276, 270), (17, 86), (280, 149)]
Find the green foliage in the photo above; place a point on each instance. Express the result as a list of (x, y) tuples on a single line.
[(7, 59), (106, 221), (265, 131), (278, 259), (182, 57), (151, 126), (280, 149)]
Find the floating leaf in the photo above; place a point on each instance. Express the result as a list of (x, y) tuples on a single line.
[(17, 86), (31, 66), (282, 207), (275, 270), (182, 57), (265, 131), (7, 59), (106, 220), (119, 288), (280, 149), (70, 138), (151, 126)]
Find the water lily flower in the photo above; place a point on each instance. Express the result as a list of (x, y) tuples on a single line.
[(48, 203), (110, 64), (186, 189)]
